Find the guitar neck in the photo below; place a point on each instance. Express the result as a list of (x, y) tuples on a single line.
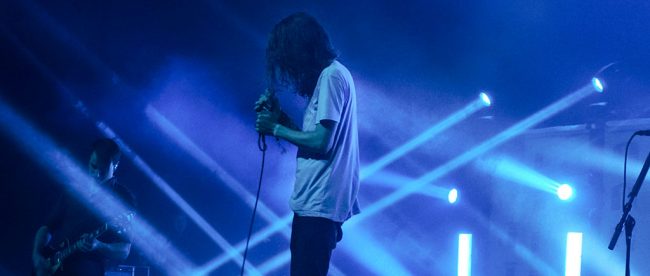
[(66, 252)]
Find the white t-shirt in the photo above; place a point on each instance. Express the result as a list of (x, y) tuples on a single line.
[(327, 185)]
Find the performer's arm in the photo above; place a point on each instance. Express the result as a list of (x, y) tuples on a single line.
[(286, 121), (316, 141), (270, 115), (40, 240), (114, 251)]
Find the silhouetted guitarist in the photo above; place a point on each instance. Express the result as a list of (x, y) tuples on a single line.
[(76, 233)]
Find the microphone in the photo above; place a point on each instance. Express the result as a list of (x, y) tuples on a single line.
[(266, 104), (261, 107), (642, 133)]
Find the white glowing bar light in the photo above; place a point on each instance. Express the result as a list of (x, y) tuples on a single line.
[(464, 254), (573, 253)]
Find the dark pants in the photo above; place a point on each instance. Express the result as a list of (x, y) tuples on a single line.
[(312, 242)]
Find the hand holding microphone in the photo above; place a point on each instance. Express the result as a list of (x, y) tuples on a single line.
[(267, 101), (268, 113)]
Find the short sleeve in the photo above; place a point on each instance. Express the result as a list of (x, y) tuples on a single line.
[(332, 96)]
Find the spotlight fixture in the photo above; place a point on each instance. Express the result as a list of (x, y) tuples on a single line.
[(598, 85), (611, 76), (564, 192), (486, 100), (452, 196)]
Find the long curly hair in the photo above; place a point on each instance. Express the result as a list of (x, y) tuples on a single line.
[(298, 50)]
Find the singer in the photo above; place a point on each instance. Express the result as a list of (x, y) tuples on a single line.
[(300, 58)]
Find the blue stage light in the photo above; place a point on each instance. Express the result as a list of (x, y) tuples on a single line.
[(486, 99), (564, 192), (512, 170), (464, 254), (452, 197), (573, 254), (598, 84)]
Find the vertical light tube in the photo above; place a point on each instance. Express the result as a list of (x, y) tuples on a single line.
[(464, 254), (573, 254)]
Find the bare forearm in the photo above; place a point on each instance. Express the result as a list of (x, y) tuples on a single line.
[(286, 121), (41, 239), (307, 140)]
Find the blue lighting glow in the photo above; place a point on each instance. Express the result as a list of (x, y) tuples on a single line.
[(509, 169), (564, 192), (365, 248), (486, 100), (592, 157), (452, 197), (598, 85), (523, 253), (260, 236), (425, 136), (465, 255), (598, 258), (472, 154), (362, 246), (573, 254), (391, 180), (275, 262)]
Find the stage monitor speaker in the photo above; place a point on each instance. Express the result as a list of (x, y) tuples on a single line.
[(127, 270)]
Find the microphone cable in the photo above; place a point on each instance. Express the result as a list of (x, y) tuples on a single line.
[(261, 145)]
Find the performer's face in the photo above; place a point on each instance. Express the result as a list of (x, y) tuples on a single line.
[(100, 169)]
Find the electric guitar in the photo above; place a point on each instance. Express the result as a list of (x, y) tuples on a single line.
[(57, 254)]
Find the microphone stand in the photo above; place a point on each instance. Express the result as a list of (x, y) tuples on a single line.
[(627, 219)]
